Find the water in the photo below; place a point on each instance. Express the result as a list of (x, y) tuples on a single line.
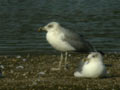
[(98, 21)]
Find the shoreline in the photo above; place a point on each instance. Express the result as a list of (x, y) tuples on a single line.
[(47, 53)]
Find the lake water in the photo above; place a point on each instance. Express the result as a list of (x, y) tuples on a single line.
[(97, 20)]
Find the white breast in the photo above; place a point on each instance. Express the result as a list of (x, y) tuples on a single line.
[(55, 39), (93, 69)]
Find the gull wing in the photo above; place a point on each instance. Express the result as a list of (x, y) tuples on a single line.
[(81, 64), (77, 41)]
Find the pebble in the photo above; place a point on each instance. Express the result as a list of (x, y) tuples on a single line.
[(24, 59), (2, 67), (34, 83), (41, 73), (18, 56), (11, 71), (19, 67)]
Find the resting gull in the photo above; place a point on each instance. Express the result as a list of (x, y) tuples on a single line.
[(65, 40), (91, 67)]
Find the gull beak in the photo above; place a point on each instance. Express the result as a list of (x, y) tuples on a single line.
[(41, 29)]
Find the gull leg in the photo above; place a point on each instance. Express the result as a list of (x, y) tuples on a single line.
[(61, 59), (60, 63), (66, 64)]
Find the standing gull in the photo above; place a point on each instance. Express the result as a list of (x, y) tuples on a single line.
[(91, 67), (65, 40)]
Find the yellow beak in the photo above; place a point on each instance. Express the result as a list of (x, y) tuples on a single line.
[(40, 29)]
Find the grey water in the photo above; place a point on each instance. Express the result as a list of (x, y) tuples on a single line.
[(97, 20)]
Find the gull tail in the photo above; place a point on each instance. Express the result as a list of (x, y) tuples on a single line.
[(77, 74)]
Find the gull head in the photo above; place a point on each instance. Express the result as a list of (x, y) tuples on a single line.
[(95, 57), (50, 27)]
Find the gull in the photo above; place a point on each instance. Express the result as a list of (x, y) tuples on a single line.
[(65, 40), (91, 67)]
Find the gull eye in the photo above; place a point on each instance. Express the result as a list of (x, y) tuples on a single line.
[(50, 26)]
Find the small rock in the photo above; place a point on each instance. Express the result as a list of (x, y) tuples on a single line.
[(24, 74), (2, 67), (18, 56), (24, 59), (108, 72), (34, 83), (19, 67), (69, 55), (41, 73), (11, 71), (38, 80)]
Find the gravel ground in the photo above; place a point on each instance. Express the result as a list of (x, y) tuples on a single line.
[(33, 72)]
